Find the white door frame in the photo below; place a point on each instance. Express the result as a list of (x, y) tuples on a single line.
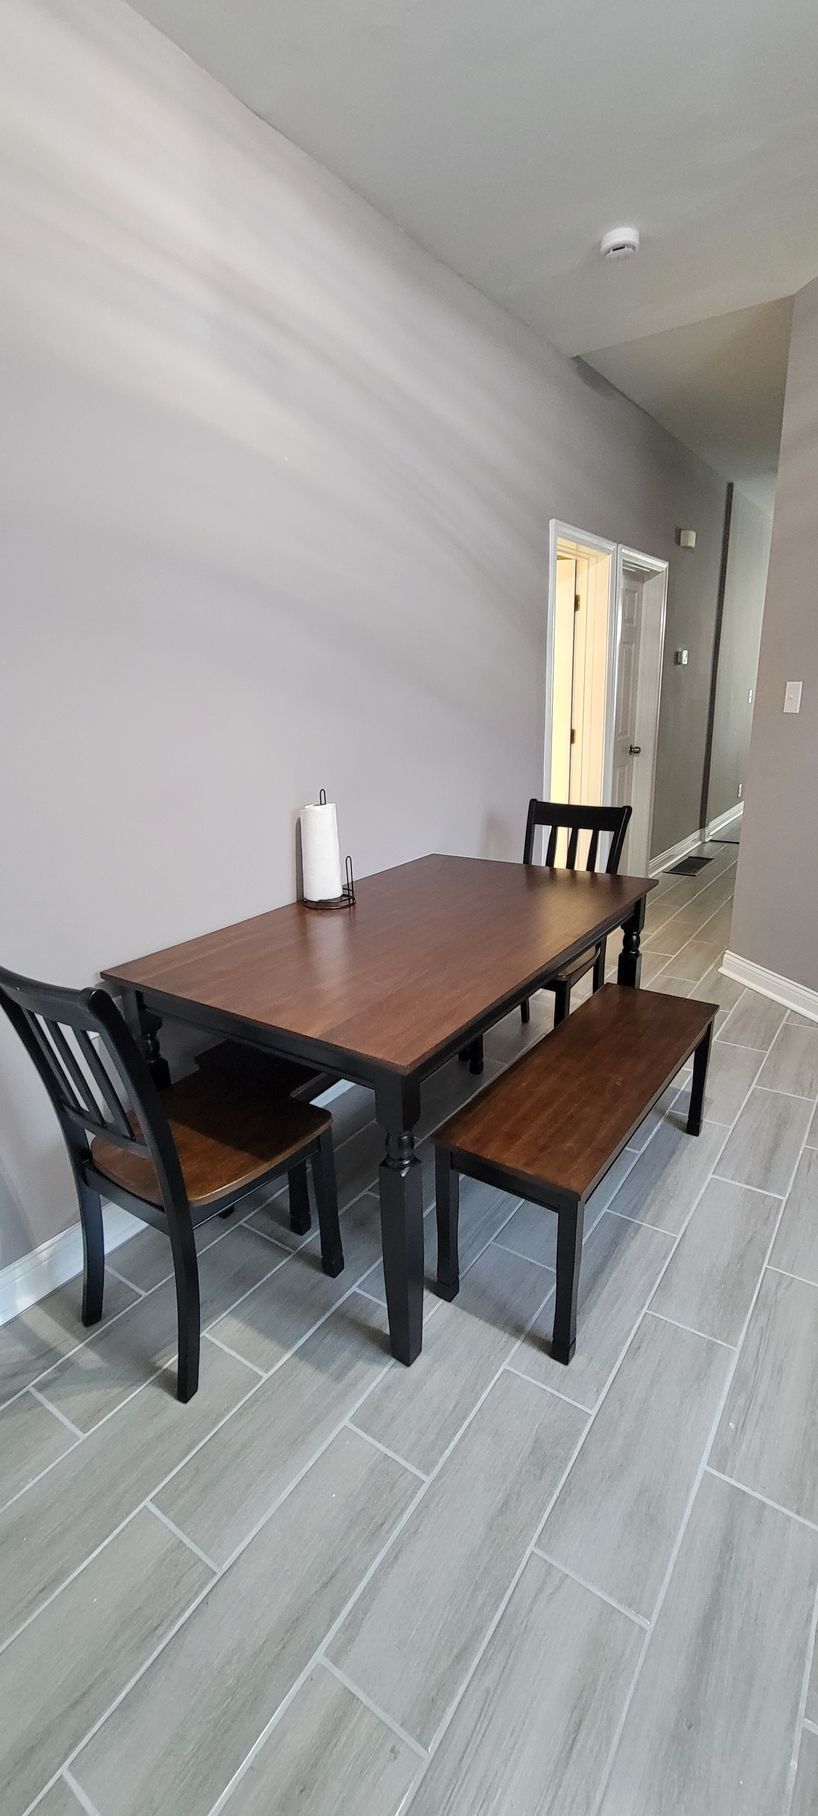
[(567, 532), (650, 660), (648, 690)]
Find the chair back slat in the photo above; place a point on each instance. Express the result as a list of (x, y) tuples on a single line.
[(104, 1083), (79, 1096), (69, 1034), (560, 816)]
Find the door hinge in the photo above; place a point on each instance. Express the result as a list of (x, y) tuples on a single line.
[(577, 602), (573, 735)]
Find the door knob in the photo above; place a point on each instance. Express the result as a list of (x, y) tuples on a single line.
[(636, 750)]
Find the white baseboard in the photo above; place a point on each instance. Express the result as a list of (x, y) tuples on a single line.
[(674, 852), (724, 819), (768, 983), (59, 1258)]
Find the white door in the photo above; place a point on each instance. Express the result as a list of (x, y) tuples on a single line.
[(627, 752)]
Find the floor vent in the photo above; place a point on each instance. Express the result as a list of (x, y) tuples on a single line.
[(689, 866)]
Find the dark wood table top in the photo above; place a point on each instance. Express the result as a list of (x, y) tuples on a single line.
[(430, 947)]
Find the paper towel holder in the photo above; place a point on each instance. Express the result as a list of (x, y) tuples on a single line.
[(346, 899)]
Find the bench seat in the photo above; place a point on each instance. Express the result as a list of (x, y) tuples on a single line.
[(550, 1127)]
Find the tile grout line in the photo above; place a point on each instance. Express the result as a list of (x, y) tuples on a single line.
[(698, 1479), (640, 1620), (220, 1423), (221, 1571), (801, 1722), (368, 1574), (82, 1796), (362, 1697), (114, 1271), (440, 1732), (788, 1275), (385, 1451), (208, 1337), (150, 1507), (762, 1190), (678, 1325), (755, 1494), (63, 1418)]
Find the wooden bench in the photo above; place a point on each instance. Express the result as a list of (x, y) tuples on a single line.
[(552, 1125)]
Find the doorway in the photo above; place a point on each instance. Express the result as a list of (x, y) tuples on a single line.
[(606, 626)]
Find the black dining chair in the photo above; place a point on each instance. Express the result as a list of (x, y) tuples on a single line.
[(174, 1158), (562, 816)]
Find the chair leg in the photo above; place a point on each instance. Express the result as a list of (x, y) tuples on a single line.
[(299, 1193), (326, 1198), (525, 1010), (188, 1311), (599, 967), (569, 1255), (476, 1056), (701, 1060), (562, 1003), (93, 1249), (447, 1196)]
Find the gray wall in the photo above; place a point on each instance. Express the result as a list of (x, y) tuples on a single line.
[(775, 922), (279, 488), (745, 586)]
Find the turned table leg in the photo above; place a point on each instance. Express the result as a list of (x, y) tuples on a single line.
[(401, 1195), (629, 969)]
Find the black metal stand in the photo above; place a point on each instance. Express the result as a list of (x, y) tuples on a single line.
[(346, 899)]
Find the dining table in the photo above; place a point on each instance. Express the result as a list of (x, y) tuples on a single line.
[(383, 992)]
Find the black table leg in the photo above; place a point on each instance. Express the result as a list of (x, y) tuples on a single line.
[(401, 1191), (144, 1024), (629, 969), (701, 1060)]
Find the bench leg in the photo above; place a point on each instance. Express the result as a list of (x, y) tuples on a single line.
[(569, 1255), (447, 1195), (701, 1060)]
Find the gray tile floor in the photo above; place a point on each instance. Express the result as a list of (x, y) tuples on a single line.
[(487, 1586)]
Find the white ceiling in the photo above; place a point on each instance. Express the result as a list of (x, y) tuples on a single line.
[(507, 135)]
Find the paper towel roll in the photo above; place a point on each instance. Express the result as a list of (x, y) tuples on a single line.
[(320, 853)]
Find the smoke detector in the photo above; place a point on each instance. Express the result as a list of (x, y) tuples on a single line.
[(620, 243)]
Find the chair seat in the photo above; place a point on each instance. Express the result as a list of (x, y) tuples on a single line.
[(227, 1135), (571, 974), (232, 1060)]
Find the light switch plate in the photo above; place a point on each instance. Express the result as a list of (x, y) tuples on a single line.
[(792, 697), (680, 658)]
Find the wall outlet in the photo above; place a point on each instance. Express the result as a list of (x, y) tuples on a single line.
[(749, 696), (792, 697), (680, 658), (740, 795)]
